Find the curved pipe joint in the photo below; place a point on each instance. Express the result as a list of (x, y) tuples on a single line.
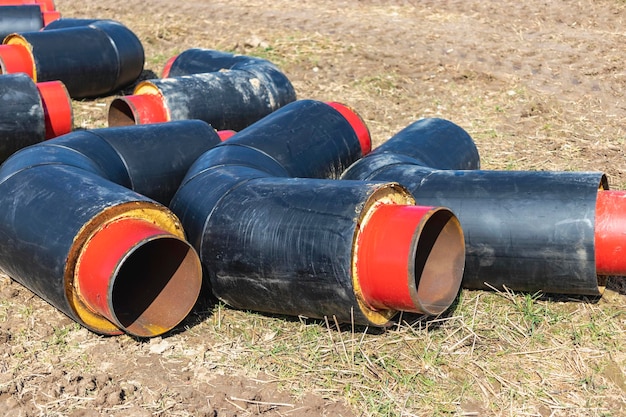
[(232, 92), (104, 55), (110, 258), (527, 231), (311, 247), (32, 112)]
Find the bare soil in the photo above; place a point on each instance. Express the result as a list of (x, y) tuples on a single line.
[(539, 85)]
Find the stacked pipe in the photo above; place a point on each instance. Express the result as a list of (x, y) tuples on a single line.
[(554, 232), (91, 57), (111, 258), (31, 112), (273, 241), (228, 91)]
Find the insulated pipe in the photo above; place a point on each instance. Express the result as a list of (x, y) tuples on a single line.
[(20, 19), (227, 98), (110, 258), (31, 112), (151, 160), (92, 58), (528, 231), (358, 251)]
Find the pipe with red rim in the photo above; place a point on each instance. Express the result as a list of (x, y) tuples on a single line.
[(314, 247), (234, 92), (32, 112), (110, 258), (91, 57), (550, 232), (45, 5)]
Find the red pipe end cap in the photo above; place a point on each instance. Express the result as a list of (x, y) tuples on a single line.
[(50, 16), (610, 233), (225, 134), (168, 67), (358, 125), (138, 276), (16, 58), (138, 109), (57, 108), (410, 258)]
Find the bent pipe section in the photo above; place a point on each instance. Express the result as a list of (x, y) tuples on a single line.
[(151, 160), (527, 231), (110, 258), (32, 112), (104, 55), (358, 251), (228, 99)]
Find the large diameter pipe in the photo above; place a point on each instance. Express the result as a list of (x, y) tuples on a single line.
[(152, 160), (91, 57), (109, 258), (229, 98), (359, 251), (31, 113), (527, 231)]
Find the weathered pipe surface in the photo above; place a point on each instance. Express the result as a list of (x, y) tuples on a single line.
[(151, 160), (20, 19), (528, 231), (302, 246), (110, 258), (31, 113), (227, 98), (91, 57)]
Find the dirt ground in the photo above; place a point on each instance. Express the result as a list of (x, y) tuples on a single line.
[(539, 86)]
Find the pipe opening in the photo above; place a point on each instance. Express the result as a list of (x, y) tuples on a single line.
[(121, 113), (439, 262), (137, 109), (156, 286)]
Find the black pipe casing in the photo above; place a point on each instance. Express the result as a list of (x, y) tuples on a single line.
[(44, 208), (527, 231), (307, 138), (149, 159), (15, 19), (91, 60), (22, 119)]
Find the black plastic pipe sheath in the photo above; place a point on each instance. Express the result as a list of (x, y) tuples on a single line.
[(31, 113), (26, 18), (91, 57), (297, 246), (234, 92), (110, 258), (528, 231)]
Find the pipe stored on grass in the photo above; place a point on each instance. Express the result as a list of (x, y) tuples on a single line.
[(110, 258), (357, 251), (31, 113), (233, 92), (527, 231), (91, 57)]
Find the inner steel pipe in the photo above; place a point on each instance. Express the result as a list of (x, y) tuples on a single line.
[(358, 251), (233, 92), (91, 57), (554, 232), (110, 258), (31, 113)]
